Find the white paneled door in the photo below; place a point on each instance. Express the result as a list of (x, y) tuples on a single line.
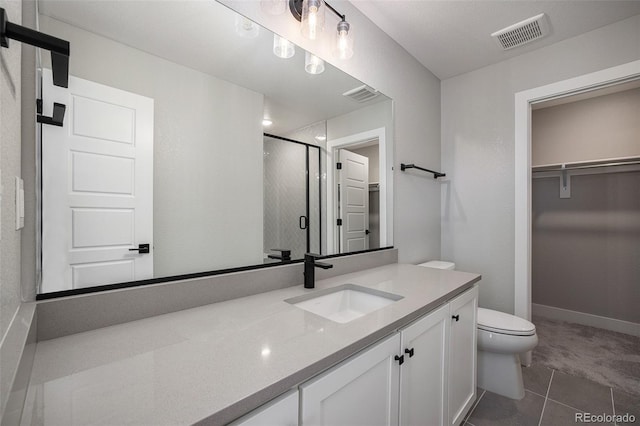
[(353, 202), (97, 186)]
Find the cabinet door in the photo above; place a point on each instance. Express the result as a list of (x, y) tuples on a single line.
[(423, 375), (462, 355), (282, 411), (360, 391)]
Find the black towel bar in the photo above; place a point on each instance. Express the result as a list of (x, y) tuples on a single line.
[(436, 175)]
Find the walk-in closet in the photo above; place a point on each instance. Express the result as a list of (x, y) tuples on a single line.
[(586, 233)]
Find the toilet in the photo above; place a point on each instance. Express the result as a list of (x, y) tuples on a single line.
[(501, 338)]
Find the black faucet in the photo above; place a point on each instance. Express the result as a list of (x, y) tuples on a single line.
[(310, 269), (285, 255)]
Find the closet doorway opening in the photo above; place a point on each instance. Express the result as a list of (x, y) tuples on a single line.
[(525, 102)]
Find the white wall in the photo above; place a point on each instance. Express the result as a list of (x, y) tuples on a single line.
[(10, 94), (382, 64), (200, 221), (478, 148), (591, 129), (10, 131)]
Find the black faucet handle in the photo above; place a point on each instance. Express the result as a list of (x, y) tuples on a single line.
[(323, 265)]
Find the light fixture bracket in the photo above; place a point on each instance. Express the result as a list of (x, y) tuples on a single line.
[(295, 6)]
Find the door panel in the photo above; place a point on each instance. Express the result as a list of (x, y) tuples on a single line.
[(423, 389), (97, 179), (462, 355), (361, 391), (353, 199)]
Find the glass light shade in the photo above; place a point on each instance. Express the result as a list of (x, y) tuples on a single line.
[(313, 64), (246, 28), (273, 7), (282, 47), (312, 22), (343, 43)]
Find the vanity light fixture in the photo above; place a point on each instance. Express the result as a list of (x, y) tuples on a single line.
[(344, 41), (310, 13), (282, 47), (313, 64)]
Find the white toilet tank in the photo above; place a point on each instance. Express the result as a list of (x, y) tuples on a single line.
[(439, 264)]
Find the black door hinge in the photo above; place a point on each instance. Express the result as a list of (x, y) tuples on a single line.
[(339, 222), (339, 166)]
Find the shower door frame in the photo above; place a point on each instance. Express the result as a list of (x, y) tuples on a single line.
[(308, 187)]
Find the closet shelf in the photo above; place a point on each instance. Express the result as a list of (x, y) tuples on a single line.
[(565, 171), (609, 162)]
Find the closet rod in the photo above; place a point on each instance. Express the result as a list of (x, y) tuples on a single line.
[(587, 165)]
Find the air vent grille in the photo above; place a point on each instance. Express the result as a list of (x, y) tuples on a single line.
[(361, 94), (523, 32)]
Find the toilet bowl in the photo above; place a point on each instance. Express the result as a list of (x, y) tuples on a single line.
[(501, 338)]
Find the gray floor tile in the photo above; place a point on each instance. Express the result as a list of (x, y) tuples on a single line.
[(497, 410), (626, 403), (536, 378), (581, 394), (556, 414)]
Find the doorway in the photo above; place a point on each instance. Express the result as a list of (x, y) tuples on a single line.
[(372, 146), (523, 104)]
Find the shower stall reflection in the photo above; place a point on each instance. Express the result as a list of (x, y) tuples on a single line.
[(292, 197)]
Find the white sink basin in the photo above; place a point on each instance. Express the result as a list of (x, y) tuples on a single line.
[(344, 303)]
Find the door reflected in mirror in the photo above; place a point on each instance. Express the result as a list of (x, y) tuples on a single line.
[(197, 140)]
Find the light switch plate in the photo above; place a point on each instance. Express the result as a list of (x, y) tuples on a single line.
[(19, 203)]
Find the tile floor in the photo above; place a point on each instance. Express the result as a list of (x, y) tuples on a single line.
[(552, 398)]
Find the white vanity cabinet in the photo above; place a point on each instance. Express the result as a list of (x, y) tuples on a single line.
[(282, 411), (462, 355), (423, 375), (360, 391)]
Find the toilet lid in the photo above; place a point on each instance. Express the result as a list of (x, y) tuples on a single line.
[(500, 322)]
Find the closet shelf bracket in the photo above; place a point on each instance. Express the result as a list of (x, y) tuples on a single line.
[(436, 175), (565, 183)]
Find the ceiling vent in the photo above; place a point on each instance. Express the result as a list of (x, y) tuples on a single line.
[(523, 32), (362, 93)]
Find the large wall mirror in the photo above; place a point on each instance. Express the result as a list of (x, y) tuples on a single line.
[(164, 166)]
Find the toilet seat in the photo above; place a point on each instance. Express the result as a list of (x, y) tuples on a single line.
[(503, 323)]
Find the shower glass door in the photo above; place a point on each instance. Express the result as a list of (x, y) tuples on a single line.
[(292, 208)]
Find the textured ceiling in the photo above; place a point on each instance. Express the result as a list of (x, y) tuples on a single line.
[(453, 37)]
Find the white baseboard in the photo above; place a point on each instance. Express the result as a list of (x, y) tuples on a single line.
[(612, 324)]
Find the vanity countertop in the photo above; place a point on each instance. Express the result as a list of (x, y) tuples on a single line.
[(216, 362)]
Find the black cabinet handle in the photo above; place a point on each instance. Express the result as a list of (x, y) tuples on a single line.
[(409, 351), (303, 222), (400, 359), (142, 249), (456, 317)]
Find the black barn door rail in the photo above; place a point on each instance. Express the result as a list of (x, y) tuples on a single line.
[(59, 57)]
